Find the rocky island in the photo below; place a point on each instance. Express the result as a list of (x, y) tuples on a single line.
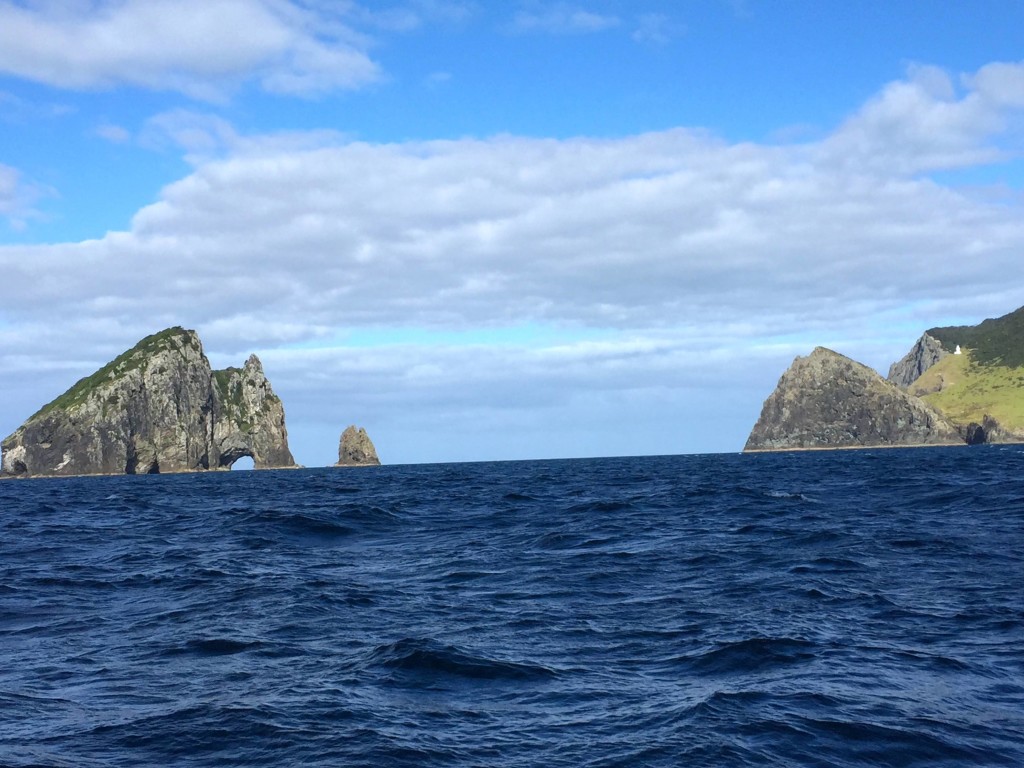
[(962, 384), (826, 400), (355, 449), (159, 407)]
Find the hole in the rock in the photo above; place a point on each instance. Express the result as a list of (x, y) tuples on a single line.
[(243, 462)]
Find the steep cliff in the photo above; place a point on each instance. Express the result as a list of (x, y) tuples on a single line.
[(155, 408), (249, 418), (925, 353), (355, 449), (826, 400)]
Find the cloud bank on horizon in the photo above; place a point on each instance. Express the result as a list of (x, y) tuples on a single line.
[(491, 295)]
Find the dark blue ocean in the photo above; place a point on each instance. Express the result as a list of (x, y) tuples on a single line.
[(860, 608)]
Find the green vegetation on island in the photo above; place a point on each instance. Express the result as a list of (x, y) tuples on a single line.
[(136, 357), (965, 390), (996, 341)]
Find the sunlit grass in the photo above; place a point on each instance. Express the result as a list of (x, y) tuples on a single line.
[(965, 391)]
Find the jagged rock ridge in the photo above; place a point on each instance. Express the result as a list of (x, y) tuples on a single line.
[(925, 353), (159, 407), (355, 449), (827, 400)]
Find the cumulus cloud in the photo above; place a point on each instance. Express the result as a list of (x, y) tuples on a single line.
[(927, 123), (689, 257), (561, 19), (202, 48)]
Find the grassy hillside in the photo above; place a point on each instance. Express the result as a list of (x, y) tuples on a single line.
[(965, 389), (135, 357), (997, 341)]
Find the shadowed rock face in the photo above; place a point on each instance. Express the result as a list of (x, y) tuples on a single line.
[(156, 408), (355, 449), (826, 400), (925, 353)]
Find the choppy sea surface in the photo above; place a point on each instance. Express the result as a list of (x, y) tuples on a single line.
[(861, 608)]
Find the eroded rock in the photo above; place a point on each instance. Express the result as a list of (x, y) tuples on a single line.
[(355, 449), (156, 408)]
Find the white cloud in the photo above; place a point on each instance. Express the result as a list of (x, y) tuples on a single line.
[(116, 134), (561, 19), (413, 14), (465, 402), (8, 188), (646, 231), (19, 196), (657, 29), (438, 79), (203, 48), (1001, 84), (925, 123), (702, 266), (15, 109), (200, 136)]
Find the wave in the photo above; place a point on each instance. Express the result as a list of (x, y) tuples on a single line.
[(214, 646), (418, 658), (751, 655), (650, 612), (318, 524)]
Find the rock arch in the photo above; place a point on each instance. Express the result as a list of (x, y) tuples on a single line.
[(229, 456)]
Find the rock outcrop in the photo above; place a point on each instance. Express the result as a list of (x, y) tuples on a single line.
[(925, 353), (156, 408), (826, 400), (248, 418), (988, 431), (355, 449)]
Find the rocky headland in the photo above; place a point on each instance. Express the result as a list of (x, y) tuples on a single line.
[(826, 400), (355, 449), (956, 385), (159, 407)]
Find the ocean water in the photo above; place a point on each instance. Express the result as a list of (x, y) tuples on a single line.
[(859, 608)]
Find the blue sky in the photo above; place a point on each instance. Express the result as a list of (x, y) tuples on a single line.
[(491, 230)]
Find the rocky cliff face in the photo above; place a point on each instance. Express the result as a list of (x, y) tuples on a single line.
[(155, 408), (826, 400), (355, 449), (922, 356), (249, 418)]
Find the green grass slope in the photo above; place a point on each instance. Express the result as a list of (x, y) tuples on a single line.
[(966, 390)]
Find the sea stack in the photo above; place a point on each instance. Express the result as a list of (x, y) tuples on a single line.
[(826, 400), (355, 449), (158, 407)]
